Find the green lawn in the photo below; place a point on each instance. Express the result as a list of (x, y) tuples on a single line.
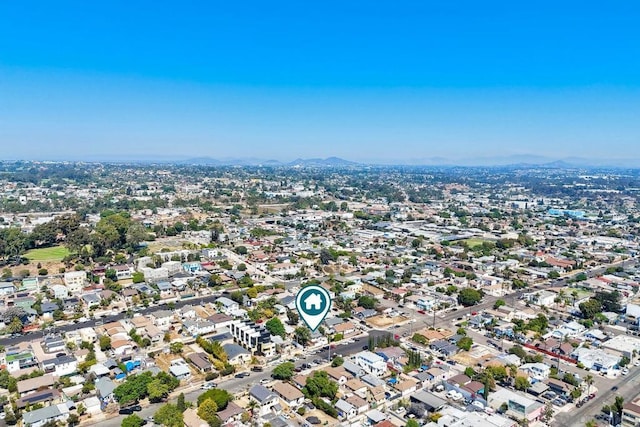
[(473, 242), (55, 253)]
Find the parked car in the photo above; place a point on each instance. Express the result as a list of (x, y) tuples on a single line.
[(208, 385), (242, 375), (125, 411), (257, 369)]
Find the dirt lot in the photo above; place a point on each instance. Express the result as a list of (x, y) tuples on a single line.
[(324, 418), (383, 321)]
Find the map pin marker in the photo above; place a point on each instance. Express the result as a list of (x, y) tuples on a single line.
[(313, 303)]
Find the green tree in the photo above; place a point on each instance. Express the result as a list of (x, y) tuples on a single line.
[(169, 416), (337, 361), (219, 396), (73, 420), (590, 308), (132, 421), (138, 277), (207, 410), (292, 317), (319, 385), (157, 390), (412, 423), (465, 343), (553, 274), (302, 335), (469, 296), (522, 383), (368, 302), (499, 303), (105, 342), (275, 327), (176, 347), (15, 326), (283, 371), (181, 403)]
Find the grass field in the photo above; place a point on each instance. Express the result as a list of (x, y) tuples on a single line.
[(472, 243), (55, 253)]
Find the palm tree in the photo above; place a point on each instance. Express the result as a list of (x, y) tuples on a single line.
[(588, 380)]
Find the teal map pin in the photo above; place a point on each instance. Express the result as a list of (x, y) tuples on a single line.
[(313, 303)]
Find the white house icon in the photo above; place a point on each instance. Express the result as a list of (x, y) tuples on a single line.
[(313, 302)]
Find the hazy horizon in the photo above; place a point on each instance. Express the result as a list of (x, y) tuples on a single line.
[(365, 82)]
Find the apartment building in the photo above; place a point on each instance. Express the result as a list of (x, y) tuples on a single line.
[(253, 337)]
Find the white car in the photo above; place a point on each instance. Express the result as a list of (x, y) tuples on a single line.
[(625, 371), (264, 381)]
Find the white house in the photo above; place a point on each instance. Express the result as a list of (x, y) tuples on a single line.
[(7, 288), (74, 281), (199, 327), (180, 369), (227, 306), (346, 410), (372, 363), (61, 365), (537, 371), (162, 319), (59, 291), (268, 402)]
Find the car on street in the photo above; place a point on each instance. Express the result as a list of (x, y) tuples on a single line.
[(208, 386), (614, 388), (242, 375), (125, 411)]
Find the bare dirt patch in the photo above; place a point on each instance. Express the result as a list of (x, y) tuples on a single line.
[(383, 321)]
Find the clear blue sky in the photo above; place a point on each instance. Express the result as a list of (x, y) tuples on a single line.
[(363, 80)]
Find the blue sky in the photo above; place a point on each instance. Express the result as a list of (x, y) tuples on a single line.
[(369, 81)]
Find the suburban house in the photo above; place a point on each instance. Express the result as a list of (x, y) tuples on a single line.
[(268, 402), (289, 394), (61, 365), (236, 354), (32, 384), (200, 361), (227, 306), (104, 389), (162, 319), (372, 363), (48, 414), (199, 327), (346, 411), (180, 369)]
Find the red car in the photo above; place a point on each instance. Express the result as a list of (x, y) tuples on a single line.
[(422, 312)]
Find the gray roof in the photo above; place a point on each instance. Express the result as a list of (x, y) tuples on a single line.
[(60, 360), (352, 368), (344, 406), (261, 393), (226, 301), (48, 306), (432, 401), (105, 386), (42, 414), (234, 350), (162, 313)]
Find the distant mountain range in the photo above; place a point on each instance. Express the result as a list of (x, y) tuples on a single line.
[(524, 160), (328, 162), (514, 161)]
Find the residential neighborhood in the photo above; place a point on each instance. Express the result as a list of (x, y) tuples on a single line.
[(166, 295)]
